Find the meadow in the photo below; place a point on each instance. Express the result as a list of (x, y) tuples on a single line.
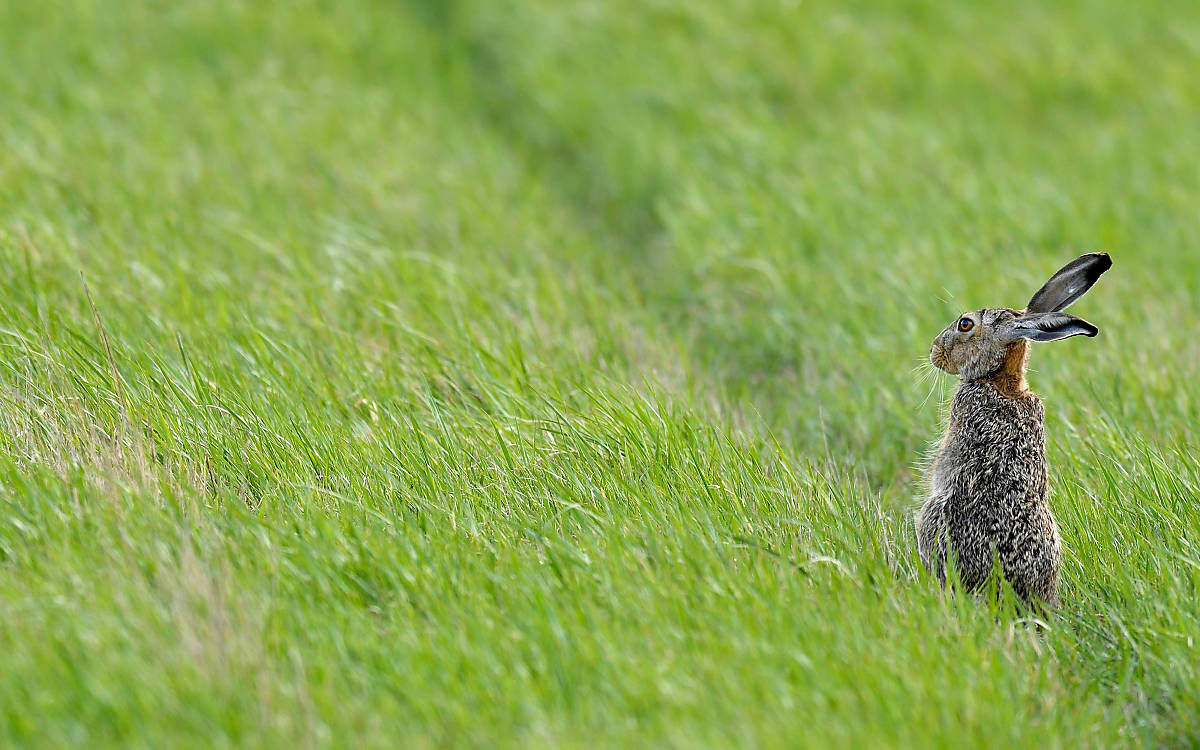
[(531, 373)]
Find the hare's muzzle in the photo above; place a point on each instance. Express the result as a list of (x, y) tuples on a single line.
[(937, 355)]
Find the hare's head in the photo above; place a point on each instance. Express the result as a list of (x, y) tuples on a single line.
[(985, 342)]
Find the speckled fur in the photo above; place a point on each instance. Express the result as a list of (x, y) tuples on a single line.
[(988, 495), (987, 500)]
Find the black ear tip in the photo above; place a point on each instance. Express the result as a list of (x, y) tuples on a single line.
[(1103, 262)]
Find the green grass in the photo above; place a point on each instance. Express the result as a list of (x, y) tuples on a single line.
[(543, 374)]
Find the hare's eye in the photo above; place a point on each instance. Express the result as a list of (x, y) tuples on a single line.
[(966, 324)]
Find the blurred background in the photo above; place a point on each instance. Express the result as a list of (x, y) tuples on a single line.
[(798, 195)]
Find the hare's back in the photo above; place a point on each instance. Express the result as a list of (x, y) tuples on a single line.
[(995, 433), (994, 454)]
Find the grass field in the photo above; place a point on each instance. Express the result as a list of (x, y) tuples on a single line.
[(547, 374)]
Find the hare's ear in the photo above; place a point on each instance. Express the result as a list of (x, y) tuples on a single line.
[(1069, 284), (1050, 327)]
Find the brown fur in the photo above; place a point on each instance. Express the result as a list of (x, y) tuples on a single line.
[(987, 484), (1009, 380)]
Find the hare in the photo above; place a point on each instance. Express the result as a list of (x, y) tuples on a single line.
[(987, 483)]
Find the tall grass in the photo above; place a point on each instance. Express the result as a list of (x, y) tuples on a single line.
[(549, 374)]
